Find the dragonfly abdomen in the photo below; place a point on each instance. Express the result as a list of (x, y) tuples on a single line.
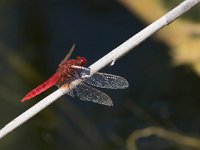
[(44, 86)]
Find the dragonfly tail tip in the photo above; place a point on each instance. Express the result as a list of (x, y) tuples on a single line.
[(24, 99)]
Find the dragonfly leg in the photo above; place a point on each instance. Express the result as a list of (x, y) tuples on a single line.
[(84, 73), (70, 90)]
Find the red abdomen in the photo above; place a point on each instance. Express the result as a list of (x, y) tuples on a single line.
[(41, 88)]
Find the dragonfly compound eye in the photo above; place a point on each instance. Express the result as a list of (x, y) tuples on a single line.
[(81, 60)]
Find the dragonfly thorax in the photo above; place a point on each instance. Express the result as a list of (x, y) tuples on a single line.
[(66, 70)]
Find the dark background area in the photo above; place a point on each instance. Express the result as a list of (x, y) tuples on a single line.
[(36, 35)]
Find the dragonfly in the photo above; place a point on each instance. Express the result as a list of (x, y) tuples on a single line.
[(72, 69)]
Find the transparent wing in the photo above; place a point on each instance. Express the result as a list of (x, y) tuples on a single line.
[(87, 93), (103, 80), (68, 55)]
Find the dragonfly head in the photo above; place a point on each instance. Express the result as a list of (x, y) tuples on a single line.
[(81, 61)]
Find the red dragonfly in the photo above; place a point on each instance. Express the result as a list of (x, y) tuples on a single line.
[(72, 69)]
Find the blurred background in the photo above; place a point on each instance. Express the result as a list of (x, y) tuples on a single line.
[(163, 73)]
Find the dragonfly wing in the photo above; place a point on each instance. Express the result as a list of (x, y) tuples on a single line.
[(88, 93), (103, 80), (68, 55)]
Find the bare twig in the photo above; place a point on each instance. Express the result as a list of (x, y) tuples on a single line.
[(110, 58), (165, 134)]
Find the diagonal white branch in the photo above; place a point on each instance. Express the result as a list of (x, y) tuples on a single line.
[(110, 58)]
